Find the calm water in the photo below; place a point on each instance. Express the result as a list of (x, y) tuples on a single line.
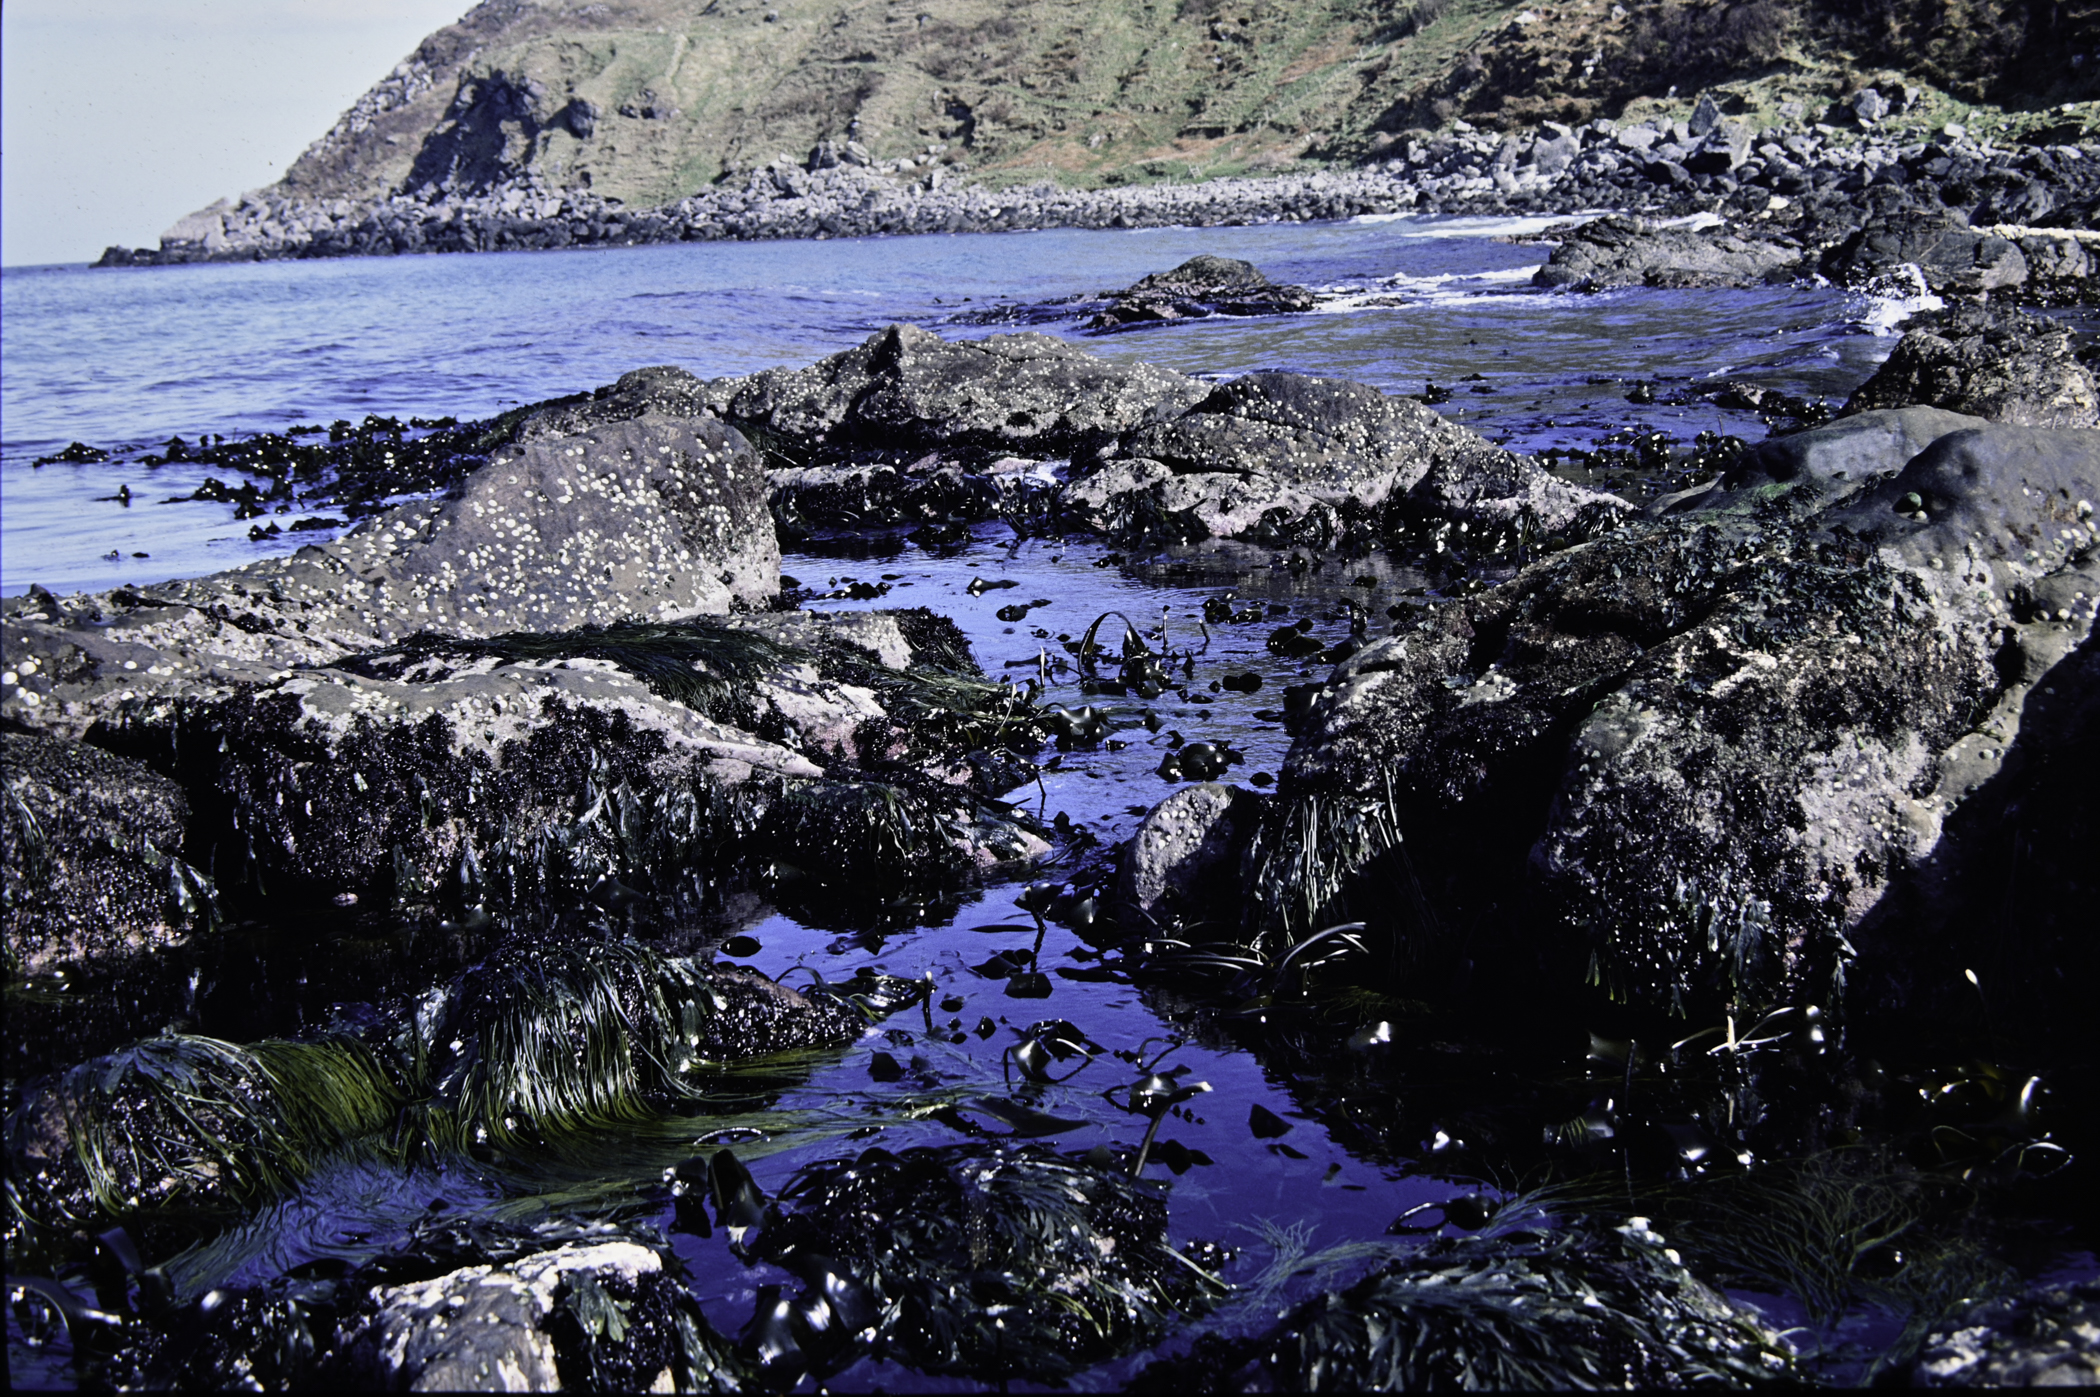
[(124, 359)]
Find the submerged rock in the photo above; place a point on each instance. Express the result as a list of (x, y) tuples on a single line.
[(1201, 287), (1995, 363), (2048, 1337), (1530, 1302)]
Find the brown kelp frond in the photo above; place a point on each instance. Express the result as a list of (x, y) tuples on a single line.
[(1069, 1259)]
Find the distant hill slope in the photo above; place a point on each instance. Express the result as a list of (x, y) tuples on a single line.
[(648, 100)]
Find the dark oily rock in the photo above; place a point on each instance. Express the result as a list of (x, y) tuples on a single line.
[(1952, 256), (1199, 287), (1074, 1249), (1620, 250), (1183, 862), (92, 858), (2001, 364), (493, 1328), (909, 390), (2048, 1337), (1847, 454)]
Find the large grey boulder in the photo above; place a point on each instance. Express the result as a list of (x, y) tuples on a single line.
[(908, 390), (1847, 454), (1620, 250), (1952, 256), (2000, 364)]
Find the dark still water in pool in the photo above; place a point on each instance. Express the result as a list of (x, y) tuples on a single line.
[(1296, 1168)]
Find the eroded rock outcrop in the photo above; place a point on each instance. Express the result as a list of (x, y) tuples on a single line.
[(1695, 757), (2000, 364)]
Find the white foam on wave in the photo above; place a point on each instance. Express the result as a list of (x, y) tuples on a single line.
[(1418, 290), (1484, 226), (1883, 304)]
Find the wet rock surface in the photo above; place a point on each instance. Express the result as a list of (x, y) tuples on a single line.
[(2049, 1337), (1698, 754), (1758, 756), (93, 867), (1202, 286), (1999, 364)]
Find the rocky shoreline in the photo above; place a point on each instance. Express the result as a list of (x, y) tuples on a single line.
[(1744, 754), (1811, 178)]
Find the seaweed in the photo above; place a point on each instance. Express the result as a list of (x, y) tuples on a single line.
[(992, 1261), (1528, 1302)]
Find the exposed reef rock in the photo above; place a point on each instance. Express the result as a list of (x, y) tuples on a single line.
[(1695, 756), (910, 428), (1990, 362), (1198, 288), (1624, 251)]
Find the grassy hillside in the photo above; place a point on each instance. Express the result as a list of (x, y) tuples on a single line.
[(647, 100)]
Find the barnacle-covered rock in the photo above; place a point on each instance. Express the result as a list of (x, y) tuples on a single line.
[(908, 390), (1992, 362), (91, 857), (1691, 758)]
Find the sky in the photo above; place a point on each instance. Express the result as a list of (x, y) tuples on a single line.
[(117, 117)]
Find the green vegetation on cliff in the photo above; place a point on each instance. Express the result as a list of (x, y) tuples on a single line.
[(649, 100)]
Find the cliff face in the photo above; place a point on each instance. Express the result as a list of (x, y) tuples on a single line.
[(646, 101)]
